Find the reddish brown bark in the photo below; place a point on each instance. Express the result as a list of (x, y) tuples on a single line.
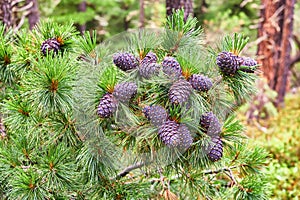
[(178, 4), (274, 50)]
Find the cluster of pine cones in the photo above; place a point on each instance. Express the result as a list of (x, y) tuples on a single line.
[(171, 132)]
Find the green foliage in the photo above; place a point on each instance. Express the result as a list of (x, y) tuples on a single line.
[(177, 23), (49, 86), (107, 17), (56, 147), (235, 44)]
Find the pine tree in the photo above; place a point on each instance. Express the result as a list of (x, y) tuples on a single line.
[(57, 146)]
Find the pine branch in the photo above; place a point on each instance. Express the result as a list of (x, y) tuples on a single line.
[(128, 169), (228, 169)]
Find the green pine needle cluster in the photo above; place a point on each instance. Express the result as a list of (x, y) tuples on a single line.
[(57, 147)]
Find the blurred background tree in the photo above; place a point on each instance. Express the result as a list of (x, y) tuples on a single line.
[(187, 5), (275, 34)]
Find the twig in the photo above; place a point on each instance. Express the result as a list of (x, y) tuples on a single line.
[(24, 8), (13, 3), (176, 46), (129, 169), (219, 170), (231, 176), (227, 171)]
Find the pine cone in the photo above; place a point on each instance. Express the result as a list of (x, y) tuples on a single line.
[(125, 61), (107, 106), (50, 45), (215, 149), (228, 63), (185, 137), (179, 92), (123, 92), (149, 70), (210, 124), (171, 67), (157, 115), (247, 61), (149, 58), (175, 135), (200, 82)]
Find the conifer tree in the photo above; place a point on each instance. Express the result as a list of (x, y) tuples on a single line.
[(144, 115)]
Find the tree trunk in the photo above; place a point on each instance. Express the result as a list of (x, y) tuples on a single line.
[(34, 15), (6, 13), (187, 5), (142, 14), (82, 8), (274, 50)]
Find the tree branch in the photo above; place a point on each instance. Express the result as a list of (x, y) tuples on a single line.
[(130, 168), (218, 170)]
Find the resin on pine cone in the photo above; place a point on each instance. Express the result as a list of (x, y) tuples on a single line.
[(228, 63), (50, 45), (180, 91), (175, 135), (249, 62), (171, 67), (107, 106), (125, 61), (200, 82), (215, 148), (156, 114), (123, 92), (210, 124)]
